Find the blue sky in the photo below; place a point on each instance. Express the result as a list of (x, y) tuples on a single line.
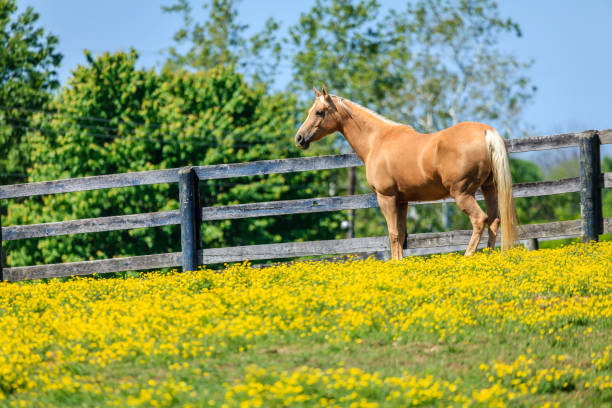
[(569, 42)]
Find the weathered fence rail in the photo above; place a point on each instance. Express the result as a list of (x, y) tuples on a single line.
[(191, 215), (263, 209)]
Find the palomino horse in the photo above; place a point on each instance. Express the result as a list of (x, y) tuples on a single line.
[(403, 165)]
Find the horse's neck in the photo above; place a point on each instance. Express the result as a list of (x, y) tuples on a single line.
[(361, 128)]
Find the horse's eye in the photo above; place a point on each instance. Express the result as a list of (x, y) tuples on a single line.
[(320, 113)]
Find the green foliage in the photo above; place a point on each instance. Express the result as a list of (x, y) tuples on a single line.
[(27, 75), (606, 195), (524, 171), (114, 118), (531, 209), (456, 70), (343, 44), (220, 40), (606, 167), (563, 207)]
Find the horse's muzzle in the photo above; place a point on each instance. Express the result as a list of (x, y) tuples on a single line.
[(301, 142)]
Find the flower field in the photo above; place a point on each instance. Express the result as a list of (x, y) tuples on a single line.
[(519, 329)]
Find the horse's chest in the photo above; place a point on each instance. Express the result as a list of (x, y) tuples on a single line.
[(385, 179)]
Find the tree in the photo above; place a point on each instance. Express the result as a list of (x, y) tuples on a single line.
[(455, 70), (220, 40), (113, 118), (432, 65), (28, 61), (345, 45)]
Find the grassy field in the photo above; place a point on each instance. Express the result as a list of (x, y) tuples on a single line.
[(520, 329)]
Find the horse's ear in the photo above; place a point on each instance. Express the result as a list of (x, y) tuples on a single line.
[(317, 93), (324, 90)]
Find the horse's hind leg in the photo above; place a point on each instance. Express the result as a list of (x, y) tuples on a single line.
[(478, 218), (490, 195)]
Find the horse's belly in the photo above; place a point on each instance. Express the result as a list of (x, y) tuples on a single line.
[(408, 188), (396, 176), (425, 192)]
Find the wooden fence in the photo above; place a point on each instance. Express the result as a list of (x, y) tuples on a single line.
[(191, 215)]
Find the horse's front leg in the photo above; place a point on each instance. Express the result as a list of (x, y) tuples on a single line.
[(395, 215)]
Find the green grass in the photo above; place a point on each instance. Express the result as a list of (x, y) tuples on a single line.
[(564, 338)]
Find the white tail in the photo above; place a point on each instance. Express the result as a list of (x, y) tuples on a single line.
[(503, 184)]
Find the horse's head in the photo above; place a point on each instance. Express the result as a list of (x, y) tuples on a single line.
[(322, 120)]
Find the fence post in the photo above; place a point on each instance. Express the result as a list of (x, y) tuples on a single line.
[(351, 213), (1, 270), (590, 189), (191, 218), (532, 244)]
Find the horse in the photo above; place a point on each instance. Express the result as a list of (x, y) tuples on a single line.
[(404, 165)]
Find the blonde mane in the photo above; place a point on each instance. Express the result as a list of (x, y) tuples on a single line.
[(370, 111)]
